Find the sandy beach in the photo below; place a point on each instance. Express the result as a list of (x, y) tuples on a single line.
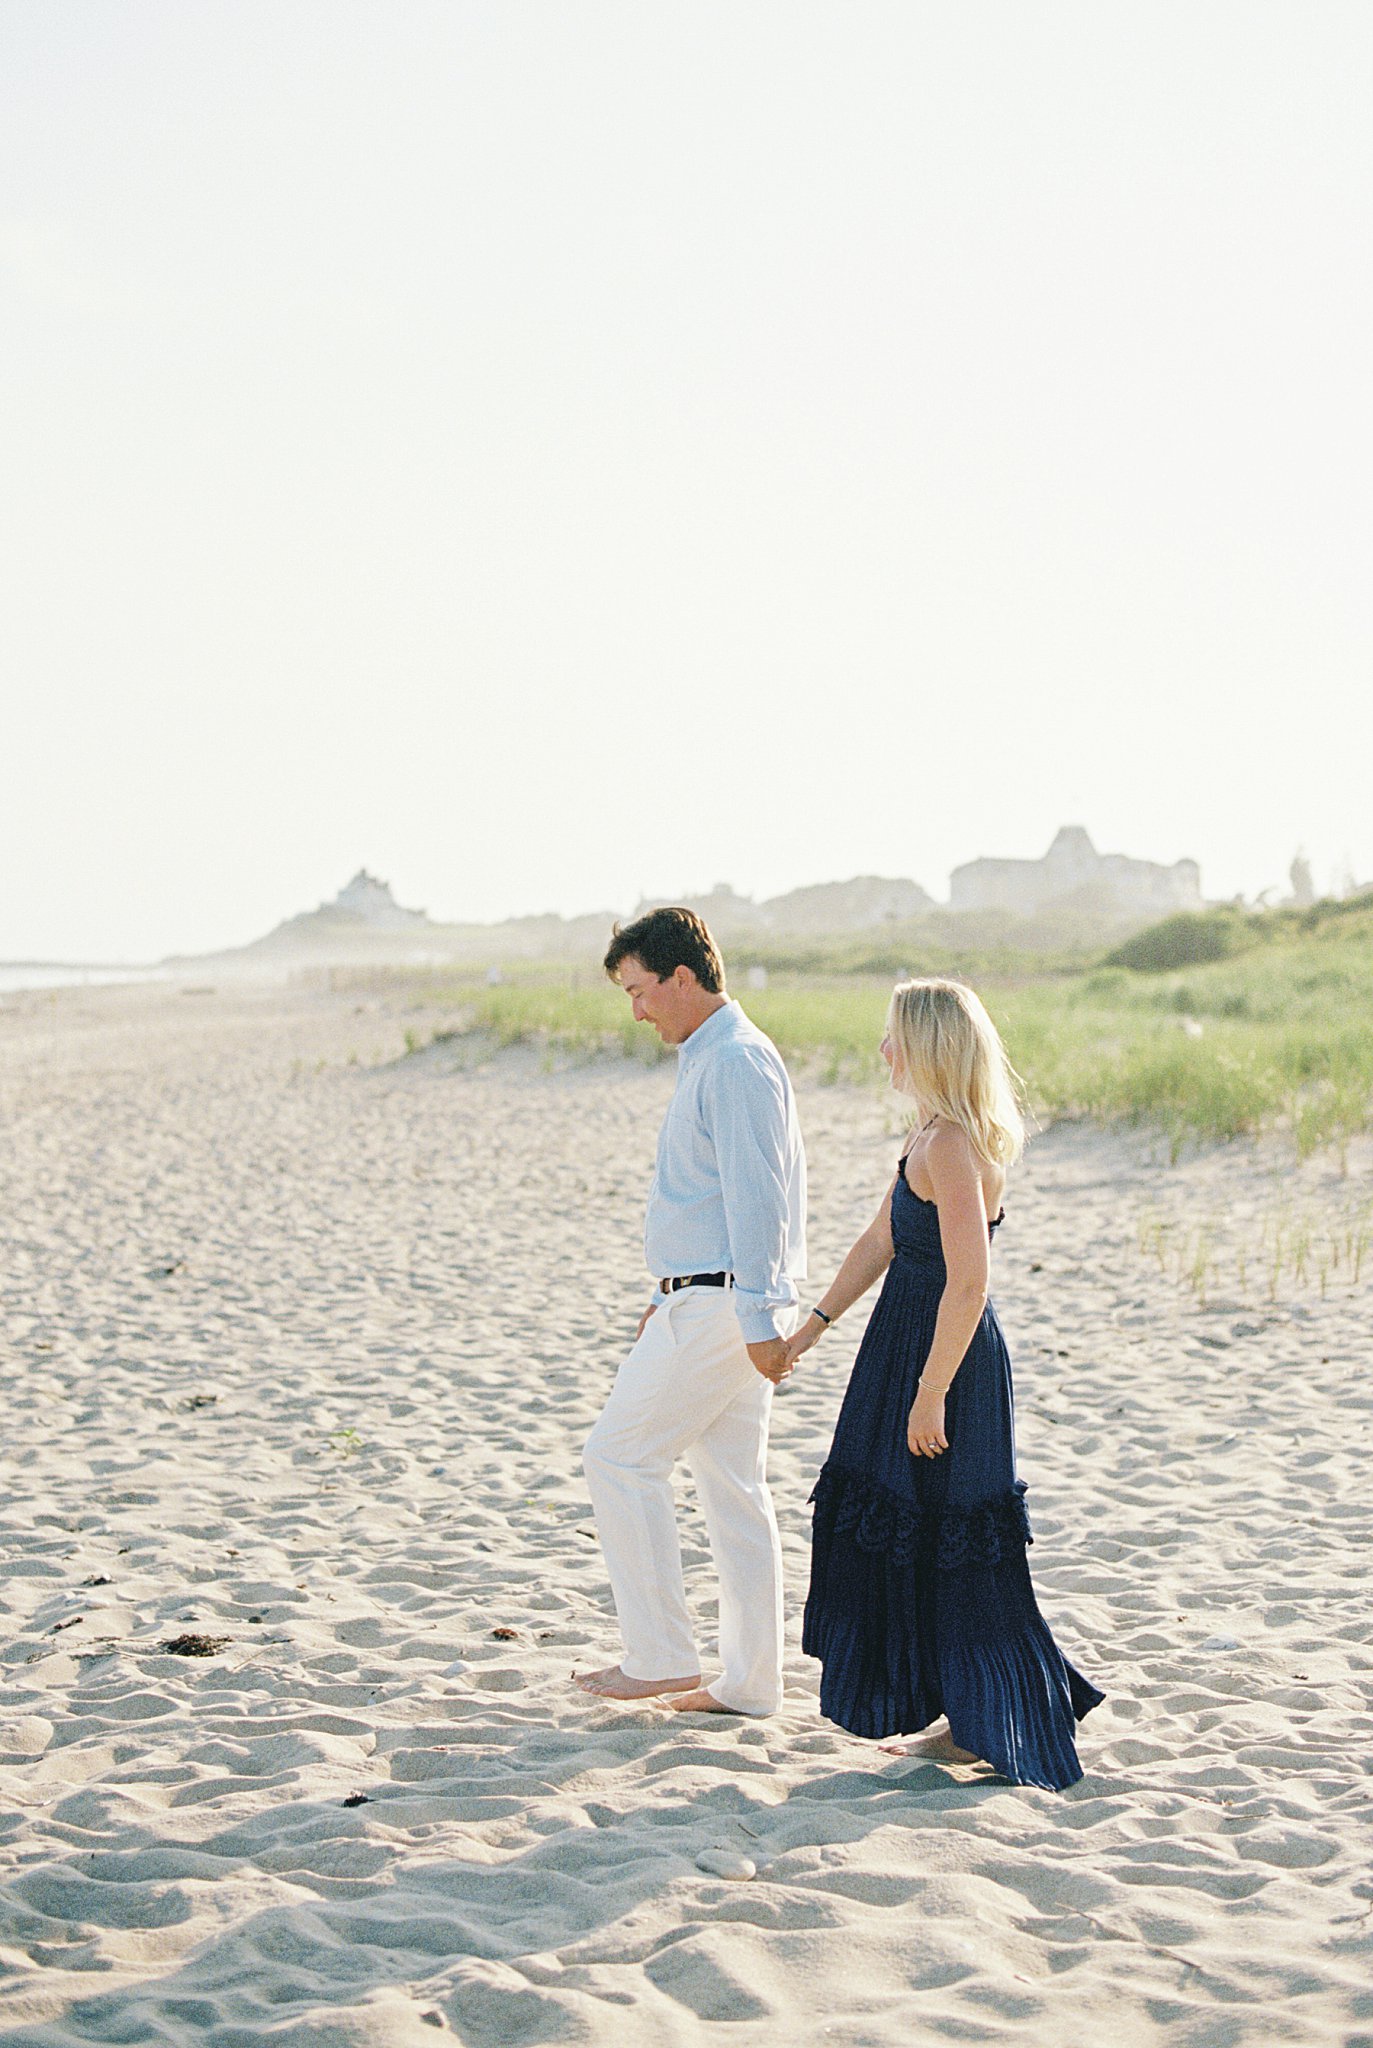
[(303, 1336)]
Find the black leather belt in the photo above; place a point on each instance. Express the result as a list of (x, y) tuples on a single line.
[(696, 1280)]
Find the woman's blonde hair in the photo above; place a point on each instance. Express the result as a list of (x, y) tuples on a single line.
[(949, 1056)]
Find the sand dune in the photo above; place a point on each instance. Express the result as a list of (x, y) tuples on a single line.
[(301, 1357)]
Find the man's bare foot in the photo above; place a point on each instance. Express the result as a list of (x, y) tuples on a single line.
[(933, 1749), (702, 1701), (612, 1684)]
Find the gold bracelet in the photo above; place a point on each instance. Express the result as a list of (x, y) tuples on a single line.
[(941, 1391)]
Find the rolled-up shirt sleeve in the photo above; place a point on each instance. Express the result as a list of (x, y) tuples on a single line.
[(749, 1124)]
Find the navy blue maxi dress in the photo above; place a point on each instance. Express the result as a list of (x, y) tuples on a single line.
[(920, 1597)]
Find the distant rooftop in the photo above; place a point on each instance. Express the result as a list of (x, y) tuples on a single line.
[(369, 898), (1073, 871)]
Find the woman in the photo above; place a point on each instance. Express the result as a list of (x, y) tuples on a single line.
[(920, 1598)]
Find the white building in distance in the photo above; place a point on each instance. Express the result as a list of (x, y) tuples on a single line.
[(369, 899), (1073, 875), (864, 903)]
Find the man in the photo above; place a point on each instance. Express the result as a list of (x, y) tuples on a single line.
[(725, 1236)]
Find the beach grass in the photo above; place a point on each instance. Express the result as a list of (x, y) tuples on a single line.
[(1276, 1032)]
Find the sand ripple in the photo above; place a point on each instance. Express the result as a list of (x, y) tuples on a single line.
[(301, 1358)]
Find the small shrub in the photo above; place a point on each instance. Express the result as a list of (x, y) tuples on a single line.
[(1193, 938)]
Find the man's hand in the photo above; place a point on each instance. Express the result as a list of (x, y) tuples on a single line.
[(643, 1320), (770, 1359)]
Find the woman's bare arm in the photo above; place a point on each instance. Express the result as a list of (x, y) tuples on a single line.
[(866, 1260)]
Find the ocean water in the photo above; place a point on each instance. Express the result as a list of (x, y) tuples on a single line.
[(35, 974)]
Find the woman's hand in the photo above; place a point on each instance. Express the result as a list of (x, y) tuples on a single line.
[(925, 1425), (810, 1332)]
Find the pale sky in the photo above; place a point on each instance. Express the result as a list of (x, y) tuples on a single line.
[(555, 453)]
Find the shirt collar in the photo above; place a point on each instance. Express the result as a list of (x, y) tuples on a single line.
[(718, 1025)]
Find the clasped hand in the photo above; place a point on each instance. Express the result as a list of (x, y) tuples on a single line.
[(771, 1358), (810, 1332)]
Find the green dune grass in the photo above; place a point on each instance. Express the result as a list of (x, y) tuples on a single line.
[(1278, 1032)]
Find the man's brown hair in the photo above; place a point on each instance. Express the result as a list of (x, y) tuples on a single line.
[(666, 940)]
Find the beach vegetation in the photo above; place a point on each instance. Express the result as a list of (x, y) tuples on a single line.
[(1295, 1247), (1194, 938), (1273, 1032)]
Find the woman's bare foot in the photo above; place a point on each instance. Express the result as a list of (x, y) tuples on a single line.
[(612, 1684), (702, 1701), (939, 1748)]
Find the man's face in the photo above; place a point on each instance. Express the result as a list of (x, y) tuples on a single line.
[(671, 1006)]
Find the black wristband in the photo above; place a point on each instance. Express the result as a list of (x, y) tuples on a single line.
[(826, 1320)]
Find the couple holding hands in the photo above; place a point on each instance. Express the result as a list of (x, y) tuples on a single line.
[(920, 1608)]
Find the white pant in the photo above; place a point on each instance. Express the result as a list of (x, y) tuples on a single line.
[(688, 1388)]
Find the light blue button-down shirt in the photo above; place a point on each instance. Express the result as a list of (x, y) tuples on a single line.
[(729, 1190)]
